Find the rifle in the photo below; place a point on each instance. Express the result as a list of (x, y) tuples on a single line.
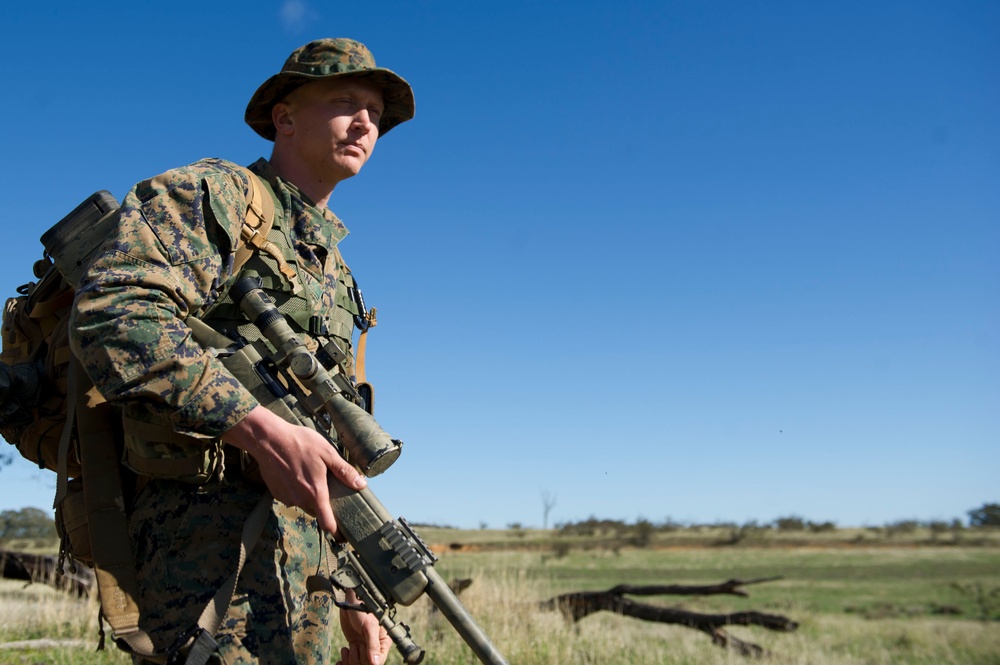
[(384, 561)]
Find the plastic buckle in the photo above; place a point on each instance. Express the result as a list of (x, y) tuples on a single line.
[(202, 646)]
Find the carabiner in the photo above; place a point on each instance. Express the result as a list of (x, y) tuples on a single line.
[(363, 320)]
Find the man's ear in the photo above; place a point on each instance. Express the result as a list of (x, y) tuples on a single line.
[(282, 117)]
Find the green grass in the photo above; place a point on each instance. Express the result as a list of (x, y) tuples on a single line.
[(821, 589), (711, 536), (818, 580), (855, 605)]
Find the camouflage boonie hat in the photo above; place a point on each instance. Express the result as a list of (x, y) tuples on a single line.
[(327, 58)]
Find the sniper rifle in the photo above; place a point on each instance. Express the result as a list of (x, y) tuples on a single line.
[(384, 561)]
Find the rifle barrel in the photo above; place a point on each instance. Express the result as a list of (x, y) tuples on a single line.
[(459, 617)]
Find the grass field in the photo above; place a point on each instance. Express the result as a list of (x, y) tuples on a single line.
[(855, 605)]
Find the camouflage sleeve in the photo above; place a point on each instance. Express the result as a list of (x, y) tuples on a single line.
[(169, 259)]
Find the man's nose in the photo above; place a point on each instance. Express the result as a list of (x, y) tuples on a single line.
[(363, 121)]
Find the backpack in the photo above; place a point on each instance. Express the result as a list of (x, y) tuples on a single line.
[(50, 411), (35, 356)]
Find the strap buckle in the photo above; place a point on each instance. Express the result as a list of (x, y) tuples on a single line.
[(192, 647)]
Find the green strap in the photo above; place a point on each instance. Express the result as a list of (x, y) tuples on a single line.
[(62, 456)]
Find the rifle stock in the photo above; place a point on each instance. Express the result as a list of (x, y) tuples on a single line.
[(386, 562)]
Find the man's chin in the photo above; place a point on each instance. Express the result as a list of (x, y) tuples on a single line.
[(345, 171)]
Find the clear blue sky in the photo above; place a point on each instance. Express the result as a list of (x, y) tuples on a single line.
[(705, 260)]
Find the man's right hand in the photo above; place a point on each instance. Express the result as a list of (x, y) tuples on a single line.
[(295, 462)]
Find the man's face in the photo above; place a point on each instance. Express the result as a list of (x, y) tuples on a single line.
[(331, 126)]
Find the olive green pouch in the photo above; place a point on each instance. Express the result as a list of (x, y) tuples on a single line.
[(154, 450)]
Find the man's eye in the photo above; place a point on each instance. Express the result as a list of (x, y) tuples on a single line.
[(374, 113)]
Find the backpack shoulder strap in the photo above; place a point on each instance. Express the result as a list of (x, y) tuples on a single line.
[(256, 227), (259, 219)]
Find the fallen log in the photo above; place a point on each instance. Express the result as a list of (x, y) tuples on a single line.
[(45, 569), (576, 606), (730, 587)]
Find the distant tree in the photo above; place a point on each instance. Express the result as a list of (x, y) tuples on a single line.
[(643, 533), (901, 527), (669, 525), (517, 528), (548, 503), (26, 523), (790, 523), (6, 458), (751, 529), (986, 515), (937, 528), (593, 527), (821, 527)]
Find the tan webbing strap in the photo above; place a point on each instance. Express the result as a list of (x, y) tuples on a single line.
[(200, 640), (258, 223), (359, 358), (73, 386), (49, 307), (259, 219), (212, 616), (114, 565)]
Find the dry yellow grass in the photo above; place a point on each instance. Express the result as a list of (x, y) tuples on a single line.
[(506, 588)]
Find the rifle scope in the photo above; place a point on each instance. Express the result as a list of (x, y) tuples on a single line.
[(367, 445)]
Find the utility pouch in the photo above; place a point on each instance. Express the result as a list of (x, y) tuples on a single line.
[(35, 367), (74, 241), (72, 523), (155, 450)]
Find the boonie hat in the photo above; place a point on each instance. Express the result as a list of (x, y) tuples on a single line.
[(330, 58)]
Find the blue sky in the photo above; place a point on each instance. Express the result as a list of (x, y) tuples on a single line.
[(707, 261)]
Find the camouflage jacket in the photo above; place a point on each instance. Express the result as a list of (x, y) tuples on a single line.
[(172, 257)]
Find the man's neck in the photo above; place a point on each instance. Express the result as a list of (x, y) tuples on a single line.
[(292, 171)]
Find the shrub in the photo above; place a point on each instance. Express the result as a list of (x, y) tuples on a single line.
[(822, 527), (986, 515), (26, 523), (642, 534), (790, 523)]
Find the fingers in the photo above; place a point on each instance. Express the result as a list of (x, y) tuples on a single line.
[(324, 511), (353, 656), (346, 473), (343, 473), (371, 628), (295, 462), (368, 641)]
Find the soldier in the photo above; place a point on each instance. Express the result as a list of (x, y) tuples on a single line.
[(190, 427)]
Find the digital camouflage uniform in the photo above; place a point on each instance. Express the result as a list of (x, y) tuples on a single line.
[(172, 258)]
